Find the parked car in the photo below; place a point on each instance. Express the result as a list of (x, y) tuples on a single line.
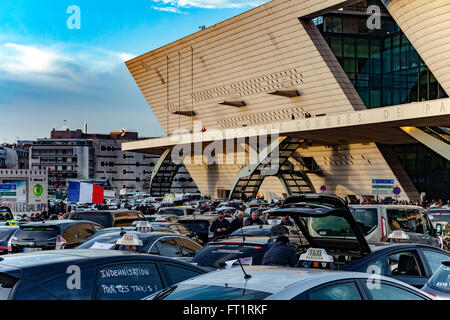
[(158, 243), (439, 283), (278, 283), (6, 233), (377, 222), (109, 218), (89, 275), (51, 235)]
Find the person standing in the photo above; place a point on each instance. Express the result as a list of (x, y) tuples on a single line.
[(237, 222), (220, 226), (254, 220)]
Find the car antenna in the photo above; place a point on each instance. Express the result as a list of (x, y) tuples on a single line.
[(247, 276), (243, 236)]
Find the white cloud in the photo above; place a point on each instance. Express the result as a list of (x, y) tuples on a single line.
[(167, 9), (59, 65), (16, 59), (211, 4)]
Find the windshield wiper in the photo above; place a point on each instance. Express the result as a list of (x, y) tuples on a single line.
[(165, 293)]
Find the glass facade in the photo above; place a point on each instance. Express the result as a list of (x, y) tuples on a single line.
[(429, 172), (381, 63), (386, 70)]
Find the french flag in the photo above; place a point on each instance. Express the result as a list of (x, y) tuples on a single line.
[(85, 193)]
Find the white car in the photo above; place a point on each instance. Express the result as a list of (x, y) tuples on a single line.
[(280, 283)]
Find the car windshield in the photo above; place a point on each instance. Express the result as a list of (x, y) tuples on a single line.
[(6, 233), (196, 226), (37, 233), (177, 212), (441, 279), (367, 219), (205, 292), (217, 255)]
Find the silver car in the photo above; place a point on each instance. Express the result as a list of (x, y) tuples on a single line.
[(280, 283), (377, 222), (439, 283)]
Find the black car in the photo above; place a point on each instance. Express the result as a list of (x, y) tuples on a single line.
[(109, 218), (5, 234), (51, 235), (158, 243), (89, 275), (327, 223)]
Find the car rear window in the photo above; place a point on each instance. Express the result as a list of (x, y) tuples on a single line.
[(6, 233), (441, 215), (204, 292), (105, 241), (367, 219), (177, 212), (196, 226), (216, 256), (37, 233), (441, 280), (256, 232), (102, 218)]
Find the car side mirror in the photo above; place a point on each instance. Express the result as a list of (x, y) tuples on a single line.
[(438, 229)]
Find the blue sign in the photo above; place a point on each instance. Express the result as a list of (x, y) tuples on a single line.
[(397, 191), (381, 181), (8, 187), (323, 188)]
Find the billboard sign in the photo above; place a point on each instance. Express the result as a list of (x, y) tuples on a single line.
[(13, 191)]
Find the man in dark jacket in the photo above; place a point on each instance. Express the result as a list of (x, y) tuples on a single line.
[(254, 220), (220, 226), (280, 254), (237, 223)]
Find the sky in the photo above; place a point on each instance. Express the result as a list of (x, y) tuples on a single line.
[(62, 62)]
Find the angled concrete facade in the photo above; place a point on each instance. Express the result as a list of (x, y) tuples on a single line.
[(271, 68)]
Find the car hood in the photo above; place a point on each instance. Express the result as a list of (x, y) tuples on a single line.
[(319, 218)]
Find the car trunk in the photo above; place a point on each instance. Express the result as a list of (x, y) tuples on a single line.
[(327, 224)]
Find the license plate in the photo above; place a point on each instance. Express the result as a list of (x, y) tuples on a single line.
[(32, 249)]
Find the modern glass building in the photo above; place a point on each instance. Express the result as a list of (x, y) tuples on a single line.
[(358, 88)]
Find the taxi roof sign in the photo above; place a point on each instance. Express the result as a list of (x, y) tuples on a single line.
[(399, 235), (316, 255), (129, 240)]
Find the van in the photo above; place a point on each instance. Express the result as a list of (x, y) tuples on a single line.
[(109, 218), (377, 222), (178, 211)]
